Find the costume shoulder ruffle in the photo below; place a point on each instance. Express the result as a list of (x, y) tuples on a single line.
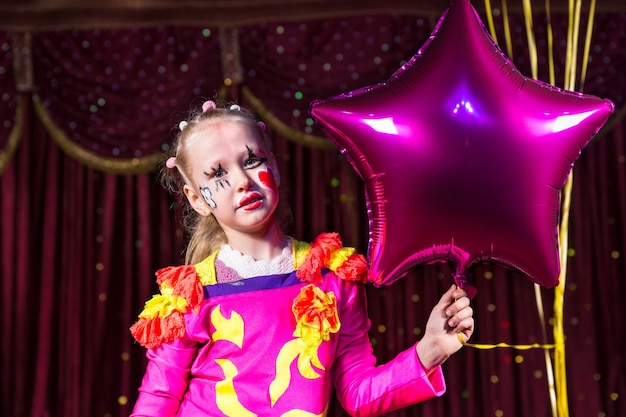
[(327, 251), (162, 319)]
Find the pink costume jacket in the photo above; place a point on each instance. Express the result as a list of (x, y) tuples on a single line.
[(271, 345)]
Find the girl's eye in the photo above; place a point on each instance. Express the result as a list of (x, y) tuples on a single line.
[(252, 163), (218, 172)]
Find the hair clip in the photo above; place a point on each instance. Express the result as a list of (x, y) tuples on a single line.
[(208, 105), (182, 125), (261, 126), (171, 162), (235, 107)]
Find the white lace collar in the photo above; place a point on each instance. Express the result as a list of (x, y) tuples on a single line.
[(247, 267)]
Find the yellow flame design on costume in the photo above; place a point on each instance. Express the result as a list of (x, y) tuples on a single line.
[(225, 394), (227, 329), (307, 358)]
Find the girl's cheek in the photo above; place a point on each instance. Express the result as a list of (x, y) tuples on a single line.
[(268, 180)]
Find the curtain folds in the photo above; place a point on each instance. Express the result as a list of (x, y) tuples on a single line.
[(99, 91), (85, 222)]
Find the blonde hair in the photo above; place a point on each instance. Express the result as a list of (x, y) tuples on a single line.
[(205, 233)]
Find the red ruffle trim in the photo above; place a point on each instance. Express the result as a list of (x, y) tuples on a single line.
[(151, 333), (184, 280), (353, 269)]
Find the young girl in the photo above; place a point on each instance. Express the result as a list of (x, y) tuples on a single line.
[(257, 323)]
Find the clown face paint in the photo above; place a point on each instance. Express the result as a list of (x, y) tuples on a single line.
[(208, 197), (236, 177), (268, 180)]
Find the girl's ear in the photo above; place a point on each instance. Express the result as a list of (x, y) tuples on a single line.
[(196, 201)]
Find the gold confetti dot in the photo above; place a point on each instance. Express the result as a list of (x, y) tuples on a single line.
[(538, 374), (99, 239), (488, 274), (382, 328), (417, 331), (614, 396), (125, 356), (102, 297), (571, 252), (499, 413), (519, 359), (615, 254), (597, 377), (494, 379), (415, 298), (99, 266), (572, 286), (122, 400), (491, 308)]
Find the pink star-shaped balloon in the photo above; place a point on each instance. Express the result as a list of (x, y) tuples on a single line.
[(463, 157)]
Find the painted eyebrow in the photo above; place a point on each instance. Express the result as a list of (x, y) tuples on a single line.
[(252, 153)]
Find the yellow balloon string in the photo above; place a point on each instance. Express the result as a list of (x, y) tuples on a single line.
[(507, 30), (546, 353), (557, 381), (505, 23), (570, 44), (486, 346), (571, 82), (532, 45), (558, 330), (492, 27), (553, 380), (550, 44), (583, 73)]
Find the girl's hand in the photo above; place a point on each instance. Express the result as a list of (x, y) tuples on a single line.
[(451, 319)]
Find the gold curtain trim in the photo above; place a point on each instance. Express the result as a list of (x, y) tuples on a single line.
[(89, 158), (14, 137), (281, 128)]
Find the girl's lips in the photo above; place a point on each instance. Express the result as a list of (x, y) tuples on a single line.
[(250, 201)]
